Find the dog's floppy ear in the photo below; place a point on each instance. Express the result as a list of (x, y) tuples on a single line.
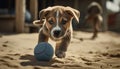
[(42, 14), (73, 12), (38, 22)]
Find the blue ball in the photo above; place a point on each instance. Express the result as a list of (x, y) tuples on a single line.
[(43, 51)]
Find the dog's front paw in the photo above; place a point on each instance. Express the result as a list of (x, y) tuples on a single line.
[(60, 54), (94, 37)]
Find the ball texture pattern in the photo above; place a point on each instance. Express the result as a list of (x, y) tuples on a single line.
[(43, 51)]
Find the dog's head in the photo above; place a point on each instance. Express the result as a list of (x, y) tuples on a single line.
[(94, 8), (57, 20)]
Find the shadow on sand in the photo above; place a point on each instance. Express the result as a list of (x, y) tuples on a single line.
[(31, 61)]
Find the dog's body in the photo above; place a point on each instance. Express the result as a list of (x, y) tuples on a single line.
[(56, 24), (94, 16)]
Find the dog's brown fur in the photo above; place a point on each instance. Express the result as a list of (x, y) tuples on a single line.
[(94, 16), (48, 20)]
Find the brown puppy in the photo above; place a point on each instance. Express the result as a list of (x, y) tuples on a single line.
[(56, 24), (94, 12)]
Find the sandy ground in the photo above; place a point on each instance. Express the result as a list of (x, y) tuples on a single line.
[(16, 52)]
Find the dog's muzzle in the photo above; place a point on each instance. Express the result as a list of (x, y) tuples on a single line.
[(56, 33)]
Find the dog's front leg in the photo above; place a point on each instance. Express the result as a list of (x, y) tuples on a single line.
[(61, 47), (96, 28), (42, 37)]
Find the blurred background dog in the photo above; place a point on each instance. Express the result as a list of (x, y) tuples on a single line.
[(94, 17)]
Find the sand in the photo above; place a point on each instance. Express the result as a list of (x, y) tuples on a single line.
[(16, 52)]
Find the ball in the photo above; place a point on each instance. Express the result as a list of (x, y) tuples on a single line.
[(43, 51)]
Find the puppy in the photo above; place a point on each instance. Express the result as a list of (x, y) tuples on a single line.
[(94, 12), (56, 24)]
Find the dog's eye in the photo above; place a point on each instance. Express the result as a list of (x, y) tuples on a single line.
[(51, 21), (64, 21)]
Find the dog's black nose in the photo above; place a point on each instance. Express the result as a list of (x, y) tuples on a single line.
[(57, 33)]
